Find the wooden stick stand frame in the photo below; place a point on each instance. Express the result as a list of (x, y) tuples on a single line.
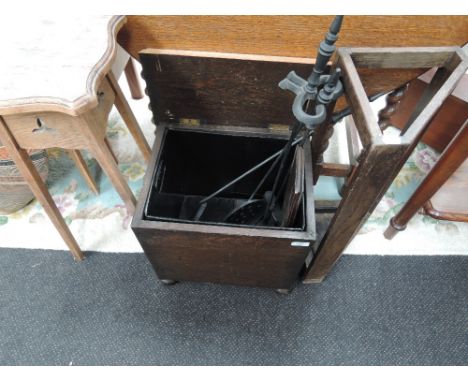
[(381, 158)]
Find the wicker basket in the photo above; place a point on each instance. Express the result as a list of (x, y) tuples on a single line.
[(14, 191)]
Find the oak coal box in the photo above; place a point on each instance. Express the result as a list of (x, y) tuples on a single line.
[(218, 115)]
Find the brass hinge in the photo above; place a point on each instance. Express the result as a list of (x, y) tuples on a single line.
[(278, 128), (189, 122)]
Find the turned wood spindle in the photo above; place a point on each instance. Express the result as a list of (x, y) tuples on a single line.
[(392, 102), (450, 160)]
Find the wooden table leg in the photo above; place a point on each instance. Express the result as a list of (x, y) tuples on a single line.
[(133, 81), (38, 187), (84, 170), (452, 158), (129, 118)]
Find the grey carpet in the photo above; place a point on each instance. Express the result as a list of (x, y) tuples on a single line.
[(372, 310)]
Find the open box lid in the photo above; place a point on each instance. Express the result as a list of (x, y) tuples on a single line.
[(192, 87)]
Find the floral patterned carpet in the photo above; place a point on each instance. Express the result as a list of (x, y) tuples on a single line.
[(102, 223)]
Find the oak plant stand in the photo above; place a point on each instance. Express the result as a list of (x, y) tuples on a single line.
[(66, 117)]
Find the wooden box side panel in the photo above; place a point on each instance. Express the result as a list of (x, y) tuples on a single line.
[(227, 259)]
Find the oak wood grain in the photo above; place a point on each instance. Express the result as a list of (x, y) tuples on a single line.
[(374, 174), (219, 89), (441, 86), (401, 58), (364, 118), (334, 169), (353, 141), (295, 36), (44, 129)]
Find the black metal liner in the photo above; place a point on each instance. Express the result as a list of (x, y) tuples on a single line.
[(192, 164)]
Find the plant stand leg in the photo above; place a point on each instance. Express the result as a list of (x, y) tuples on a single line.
[(129, 118), (84, 170), (38, 187)]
